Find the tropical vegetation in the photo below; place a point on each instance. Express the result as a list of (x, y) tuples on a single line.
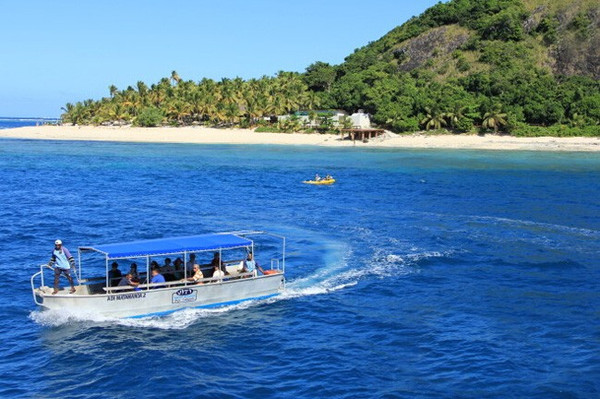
[(514, 66)]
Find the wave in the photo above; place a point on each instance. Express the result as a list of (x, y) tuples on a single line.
[(516, 222), (178, 320)]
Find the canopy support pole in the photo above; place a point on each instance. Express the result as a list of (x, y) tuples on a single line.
[(106, 264), (283, 255), (185, 281), (79, 264), (147, 272)]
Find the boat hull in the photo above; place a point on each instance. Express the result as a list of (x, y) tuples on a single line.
[(319, 182), (165, 300)]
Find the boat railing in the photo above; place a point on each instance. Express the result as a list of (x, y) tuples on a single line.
[(275, 264), (41, 274), (179, 283)]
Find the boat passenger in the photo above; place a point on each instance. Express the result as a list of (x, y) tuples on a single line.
[(114, 274), (198, 276), (134, 271), (217, 272), (217, 261), (157, 278), (178, 268), (328, 177), (178, 264), (191, 262), (250, 265), (128, 281), (62, 258), (317, 177), (168, 272)]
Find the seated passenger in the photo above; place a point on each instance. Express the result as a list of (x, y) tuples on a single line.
[(178, 268), (250, 265), (217, 272), (328, 177), (168, 271), (191, 262), (114, 274), (216, 261), (178, 264), (128, 281), (157, 278), (198, 276), (317, 177), (134, 271)]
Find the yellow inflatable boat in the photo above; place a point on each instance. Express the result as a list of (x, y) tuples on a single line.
[(319, 182)]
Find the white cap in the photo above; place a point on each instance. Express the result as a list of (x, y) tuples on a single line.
[(58, 242)]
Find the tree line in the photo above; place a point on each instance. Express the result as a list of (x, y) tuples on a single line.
[(174, 101)]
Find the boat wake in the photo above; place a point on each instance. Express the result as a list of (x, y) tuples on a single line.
[(180, 319)]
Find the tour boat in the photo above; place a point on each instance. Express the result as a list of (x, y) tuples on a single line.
[(99, 295)]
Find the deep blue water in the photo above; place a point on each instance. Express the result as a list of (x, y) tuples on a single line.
[(418, 274), (10, 123)]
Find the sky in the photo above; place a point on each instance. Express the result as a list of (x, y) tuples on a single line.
[(54, 52)]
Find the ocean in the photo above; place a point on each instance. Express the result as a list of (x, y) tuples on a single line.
[(419, 273), (11, 122)]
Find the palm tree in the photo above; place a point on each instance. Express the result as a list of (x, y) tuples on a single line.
[(312, 100), (175, 77), (434, 119), (232, 112), (455, 115), (494, 118), (142, 90), (118, 113), (157, 95), (178, 109), (113, 90)]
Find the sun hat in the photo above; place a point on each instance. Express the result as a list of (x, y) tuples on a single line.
[(58, 242)]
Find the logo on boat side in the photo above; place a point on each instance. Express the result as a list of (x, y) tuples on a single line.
[(120, 297), (185, 295)]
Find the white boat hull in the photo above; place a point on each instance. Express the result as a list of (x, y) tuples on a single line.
[(164, 300)]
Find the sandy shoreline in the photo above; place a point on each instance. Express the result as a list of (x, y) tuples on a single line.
[(204, 135)]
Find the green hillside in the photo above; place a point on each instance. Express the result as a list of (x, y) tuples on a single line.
[(527, 67), (517, 62)]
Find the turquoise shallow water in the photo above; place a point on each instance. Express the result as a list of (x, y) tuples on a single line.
[(418, 274)]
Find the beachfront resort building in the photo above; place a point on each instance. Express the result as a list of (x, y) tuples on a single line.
[(360, 120)]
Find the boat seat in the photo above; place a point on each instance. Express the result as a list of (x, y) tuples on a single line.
[(96, 288), (235, 269)]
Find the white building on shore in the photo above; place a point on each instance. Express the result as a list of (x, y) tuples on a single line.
[(360, 120)]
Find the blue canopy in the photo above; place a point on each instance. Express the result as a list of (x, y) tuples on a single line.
[(167, 246)]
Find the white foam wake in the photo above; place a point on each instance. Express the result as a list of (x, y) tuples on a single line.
[(177, 320)]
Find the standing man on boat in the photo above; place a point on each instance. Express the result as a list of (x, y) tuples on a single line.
[(63, 261), (250, 265)]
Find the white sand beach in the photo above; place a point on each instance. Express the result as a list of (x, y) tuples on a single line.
[(204, 135)]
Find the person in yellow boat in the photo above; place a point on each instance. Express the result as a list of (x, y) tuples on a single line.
[(328, 177), (317, 177)]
